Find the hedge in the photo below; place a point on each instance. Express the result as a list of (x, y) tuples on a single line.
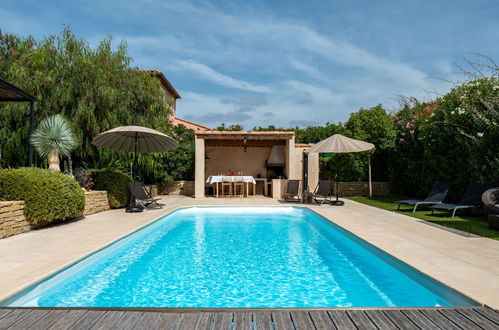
[(48, 195), (116, 185)]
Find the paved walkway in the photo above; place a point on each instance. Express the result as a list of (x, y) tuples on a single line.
[(467, 264)]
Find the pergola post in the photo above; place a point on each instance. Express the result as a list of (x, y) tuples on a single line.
[(305, 170), (12, 93), (289, 170), (199, 174)]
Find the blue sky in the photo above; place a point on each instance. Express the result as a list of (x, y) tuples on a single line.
[(286, 63)]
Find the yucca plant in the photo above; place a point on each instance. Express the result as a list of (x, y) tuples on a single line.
[(53, 138)]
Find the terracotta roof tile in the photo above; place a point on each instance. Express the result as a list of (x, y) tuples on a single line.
[(186, 123), (164, 82), (303, 145)]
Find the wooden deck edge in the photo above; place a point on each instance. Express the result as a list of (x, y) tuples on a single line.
[(208, 309)]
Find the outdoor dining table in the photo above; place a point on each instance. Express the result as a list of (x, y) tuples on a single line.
[(215, 179)]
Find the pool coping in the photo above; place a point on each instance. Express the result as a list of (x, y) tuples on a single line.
[(239, 309), (370, 246)]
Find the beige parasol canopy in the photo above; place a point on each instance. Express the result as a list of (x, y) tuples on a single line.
[(135, 139), (342, 144), (339, 143)]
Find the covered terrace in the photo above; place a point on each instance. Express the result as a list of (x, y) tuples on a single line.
[(271, 158)]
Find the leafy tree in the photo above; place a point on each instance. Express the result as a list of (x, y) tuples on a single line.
[(95, 88), (372, 125), (310, 134), (234, 127), (177, 164), (314, 134), (271, 128)]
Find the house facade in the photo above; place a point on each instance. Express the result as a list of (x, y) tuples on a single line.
[(170, 99)]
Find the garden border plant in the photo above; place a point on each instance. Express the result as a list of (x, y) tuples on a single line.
[(49, 195), (115, 183)]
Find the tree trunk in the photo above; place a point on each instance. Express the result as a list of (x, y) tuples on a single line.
[(53, 158), (70, 165)]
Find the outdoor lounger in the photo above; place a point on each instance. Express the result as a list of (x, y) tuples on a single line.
[(436, 196), (292, 191), (323, 192), (472, 199), (141, 195)]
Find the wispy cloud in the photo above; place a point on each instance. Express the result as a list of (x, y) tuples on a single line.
[(245, 104), (309, 69), (218, 78), (207, 109), (304, 123)]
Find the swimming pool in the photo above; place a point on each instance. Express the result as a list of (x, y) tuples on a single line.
[(240, 257)]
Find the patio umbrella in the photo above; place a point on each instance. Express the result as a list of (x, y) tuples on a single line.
[(342, 144), (135, 139)]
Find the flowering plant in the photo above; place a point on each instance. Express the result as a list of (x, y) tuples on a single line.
[(406, 128)]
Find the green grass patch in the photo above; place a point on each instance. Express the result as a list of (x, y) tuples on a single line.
[(464, 221)]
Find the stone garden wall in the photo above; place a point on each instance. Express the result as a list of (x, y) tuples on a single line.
[(95, 201), (346, 188), (12, 219), (177, 188), (362, 188)]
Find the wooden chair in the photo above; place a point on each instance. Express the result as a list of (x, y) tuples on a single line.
[(226, 182), (239, 183)]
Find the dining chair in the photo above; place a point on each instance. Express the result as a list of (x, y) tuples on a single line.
[(239, 183), (226, 182)]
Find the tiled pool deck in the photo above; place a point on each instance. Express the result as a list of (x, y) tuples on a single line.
[(467, 264)]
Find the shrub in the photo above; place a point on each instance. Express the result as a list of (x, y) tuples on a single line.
[(116, 185), (48, 195), (453, 139)]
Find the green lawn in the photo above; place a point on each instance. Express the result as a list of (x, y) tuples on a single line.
[(474, 224)]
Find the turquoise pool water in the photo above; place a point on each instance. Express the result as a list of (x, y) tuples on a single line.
[(240, 257)]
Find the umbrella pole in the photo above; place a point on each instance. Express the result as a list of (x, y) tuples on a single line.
[(337, 202), (133, 207), (305, 178), (134, 169), (337, 188), (370, 180)]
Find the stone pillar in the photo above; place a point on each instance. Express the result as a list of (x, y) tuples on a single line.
[(199, 177), (278, 188), (289, 170), (313, 170)]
